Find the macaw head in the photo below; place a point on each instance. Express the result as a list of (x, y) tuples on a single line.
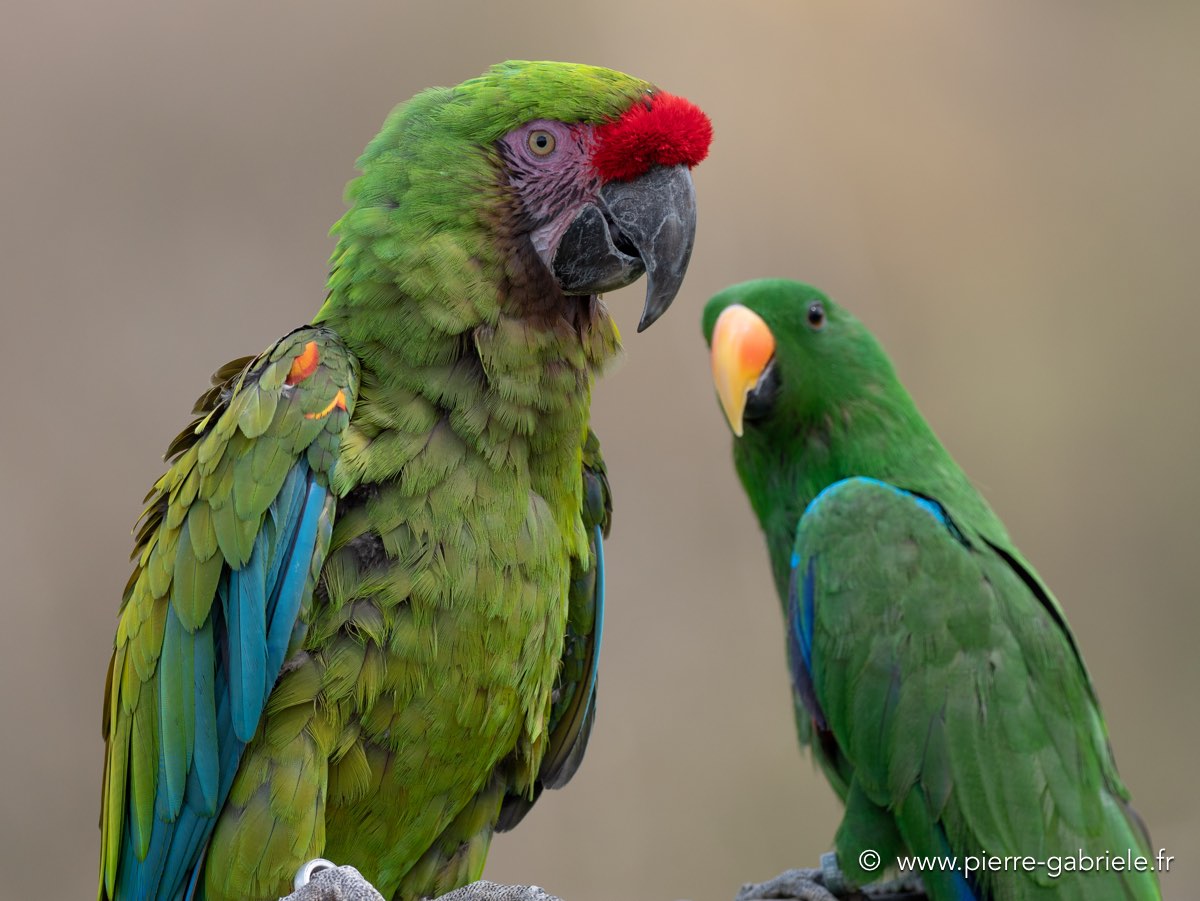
[(576, 177)]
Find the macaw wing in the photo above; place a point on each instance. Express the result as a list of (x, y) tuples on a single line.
[(574, 702), (227, 555), (946, 676)]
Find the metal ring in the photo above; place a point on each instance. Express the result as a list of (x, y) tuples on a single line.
[(305, 874)]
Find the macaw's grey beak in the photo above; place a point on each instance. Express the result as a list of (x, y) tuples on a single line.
[(646, 225)]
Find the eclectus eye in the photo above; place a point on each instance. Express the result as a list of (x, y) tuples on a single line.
[(541, 142), (816, 315)]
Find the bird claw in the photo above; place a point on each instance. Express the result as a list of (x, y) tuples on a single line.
[(802, 884), (322, 880), (828, 883), (907, 887)]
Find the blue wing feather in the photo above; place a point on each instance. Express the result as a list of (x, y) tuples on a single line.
[(801, 613), (285, 519), (205, 772), (174, 705), (959, 884), (283, 608), (246, 611), (195, 888), (233, 661)]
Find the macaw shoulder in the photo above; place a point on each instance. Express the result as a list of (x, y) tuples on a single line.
[(312, 367), (296, 397)]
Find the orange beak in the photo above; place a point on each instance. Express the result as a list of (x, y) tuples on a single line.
[(742, 346)]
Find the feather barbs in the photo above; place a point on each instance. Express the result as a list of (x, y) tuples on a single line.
[(665, 130)]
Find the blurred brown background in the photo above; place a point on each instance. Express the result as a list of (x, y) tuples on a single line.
[(1007, 193)]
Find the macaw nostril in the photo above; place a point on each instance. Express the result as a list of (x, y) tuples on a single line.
[(623, 244)]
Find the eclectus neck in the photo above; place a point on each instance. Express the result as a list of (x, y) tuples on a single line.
[(879, 434)]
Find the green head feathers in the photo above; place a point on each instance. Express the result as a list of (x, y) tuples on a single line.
[(784, 354), (467, 193), (813, 399), (480, 110), (433, 164)]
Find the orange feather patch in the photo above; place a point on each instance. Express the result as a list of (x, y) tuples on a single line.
[(304, 365), (338, 403)]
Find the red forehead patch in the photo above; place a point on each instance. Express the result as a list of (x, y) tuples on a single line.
[(665, 131)]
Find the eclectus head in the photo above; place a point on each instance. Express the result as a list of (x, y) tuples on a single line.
[(785, 356), (580, 170)]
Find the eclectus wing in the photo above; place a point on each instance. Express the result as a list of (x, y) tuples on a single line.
[(574, 700), (228, 551), (947, 678)]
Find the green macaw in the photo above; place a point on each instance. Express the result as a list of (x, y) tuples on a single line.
[(935, 677), (364, 618)]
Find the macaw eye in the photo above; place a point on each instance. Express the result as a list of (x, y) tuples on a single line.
[(541, 142), (816, 315)]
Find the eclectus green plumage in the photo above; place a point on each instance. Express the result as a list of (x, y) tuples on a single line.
[(936, 679), (364, 617)]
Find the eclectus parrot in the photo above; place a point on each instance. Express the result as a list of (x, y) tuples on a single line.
[(365, 611), (935, 677)]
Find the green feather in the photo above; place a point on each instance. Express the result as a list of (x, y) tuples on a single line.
[(195, 581), (421, 681), (201, 532), (143, 766), (958, 709), (258, 410)]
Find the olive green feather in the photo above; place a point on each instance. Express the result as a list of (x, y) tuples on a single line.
[(402, 505)]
